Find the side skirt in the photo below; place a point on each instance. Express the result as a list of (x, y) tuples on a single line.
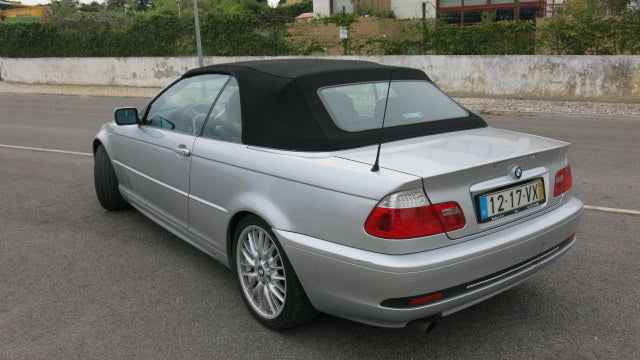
[(175, 229)]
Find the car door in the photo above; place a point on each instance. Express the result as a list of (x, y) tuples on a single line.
[(157, 153), (214, 181)]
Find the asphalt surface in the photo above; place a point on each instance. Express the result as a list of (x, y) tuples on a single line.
[(77, 281)]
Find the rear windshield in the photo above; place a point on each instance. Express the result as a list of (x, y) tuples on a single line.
[(359, 107)]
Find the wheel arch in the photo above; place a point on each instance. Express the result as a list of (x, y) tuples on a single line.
[(275, 221), (231, 229), (96, 144)]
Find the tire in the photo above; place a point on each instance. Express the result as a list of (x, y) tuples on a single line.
[(296, 307), (106, 182)]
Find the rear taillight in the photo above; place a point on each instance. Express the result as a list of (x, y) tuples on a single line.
[(407, 214), (563, 181)]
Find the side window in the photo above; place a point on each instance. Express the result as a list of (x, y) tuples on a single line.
[(225, 121), (184, 106)]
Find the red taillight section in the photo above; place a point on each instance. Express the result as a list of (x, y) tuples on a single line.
[(426, 299), (403, 223), (450, 215), (407, 214), (563, 181)]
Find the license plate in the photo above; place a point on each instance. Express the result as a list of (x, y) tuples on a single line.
[(511, 200)]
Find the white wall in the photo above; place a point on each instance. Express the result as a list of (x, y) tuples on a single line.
[(403, 9), (321, 7), (412, 9), (582, 77)]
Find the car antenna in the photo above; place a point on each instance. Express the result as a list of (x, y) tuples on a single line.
[(376, 165)]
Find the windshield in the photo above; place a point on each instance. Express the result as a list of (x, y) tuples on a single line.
[(359, 107)]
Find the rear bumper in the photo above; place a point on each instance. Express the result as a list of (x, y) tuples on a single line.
[(352, 283)]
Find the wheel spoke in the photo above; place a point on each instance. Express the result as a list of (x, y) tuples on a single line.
[(259, 295), (279, 287), (274, 260), (269, 301), (275, 293), (265, 244), (252, 245), (249, 274), (276, 303), (278, 277), (268, 252), (246, 264), (250, 259)]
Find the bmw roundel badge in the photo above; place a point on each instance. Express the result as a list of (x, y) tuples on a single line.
[(515, 172)]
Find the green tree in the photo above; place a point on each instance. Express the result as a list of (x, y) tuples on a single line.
[(63, 8), (93, 6), (113, 5), (143, 5)]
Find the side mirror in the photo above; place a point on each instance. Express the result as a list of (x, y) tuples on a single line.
[(126, 116)]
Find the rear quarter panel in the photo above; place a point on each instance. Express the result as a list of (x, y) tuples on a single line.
[(314, 194)]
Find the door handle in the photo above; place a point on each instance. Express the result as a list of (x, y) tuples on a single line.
[(182, 150)]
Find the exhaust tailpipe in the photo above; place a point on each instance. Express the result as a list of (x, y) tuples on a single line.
[(423, 326)]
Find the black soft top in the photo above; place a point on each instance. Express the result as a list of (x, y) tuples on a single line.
[(281, 107)]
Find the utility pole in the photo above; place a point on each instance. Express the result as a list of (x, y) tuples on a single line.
[(516, 11), (198, 41)]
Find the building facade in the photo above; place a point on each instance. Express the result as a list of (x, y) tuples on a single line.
[(453, 11)]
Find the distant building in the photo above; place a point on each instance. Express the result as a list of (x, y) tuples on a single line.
[(304, 17), (456, 11)]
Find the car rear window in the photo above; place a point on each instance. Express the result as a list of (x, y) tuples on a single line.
[(360, 107)]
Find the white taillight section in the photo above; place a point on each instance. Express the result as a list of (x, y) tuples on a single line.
[(407, 214), (405, 199)]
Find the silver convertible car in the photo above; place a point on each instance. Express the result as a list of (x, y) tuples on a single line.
[(345, 187)]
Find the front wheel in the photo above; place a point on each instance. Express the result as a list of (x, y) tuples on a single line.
[(106, 182), (270, 288)]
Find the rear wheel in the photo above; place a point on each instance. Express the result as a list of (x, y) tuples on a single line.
[(106, 182), (269, 286)]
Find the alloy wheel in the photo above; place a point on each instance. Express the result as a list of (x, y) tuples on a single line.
[(261, 271)]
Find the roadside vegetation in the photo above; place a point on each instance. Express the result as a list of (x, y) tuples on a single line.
[(250, 27)]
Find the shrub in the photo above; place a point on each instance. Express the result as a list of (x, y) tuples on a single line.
[(585, 27), (489, 37)]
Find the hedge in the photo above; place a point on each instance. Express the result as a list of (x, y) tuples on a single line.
[(155, 35), (577, 30)]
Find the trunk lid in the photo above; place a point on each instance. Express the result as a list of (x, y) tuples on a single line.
[(458, 166)]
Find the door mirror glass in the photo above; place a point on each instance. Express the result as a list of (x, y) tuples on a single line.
[(126, 116)]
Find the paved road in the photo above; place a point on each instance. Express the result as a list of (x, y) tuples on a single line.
[(79, 282)]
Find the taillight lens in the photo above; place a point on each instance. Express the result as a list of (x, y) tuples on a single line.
[(407, 214), (563, 181), (450, 215)]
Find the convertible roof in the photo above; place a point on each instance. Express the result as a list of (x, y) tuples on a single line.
[(312, 69), (281, 107)]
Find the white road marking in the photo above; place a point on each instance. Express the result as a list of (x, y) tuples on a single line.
[(44, 150), (588, 207), (613, 210)]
